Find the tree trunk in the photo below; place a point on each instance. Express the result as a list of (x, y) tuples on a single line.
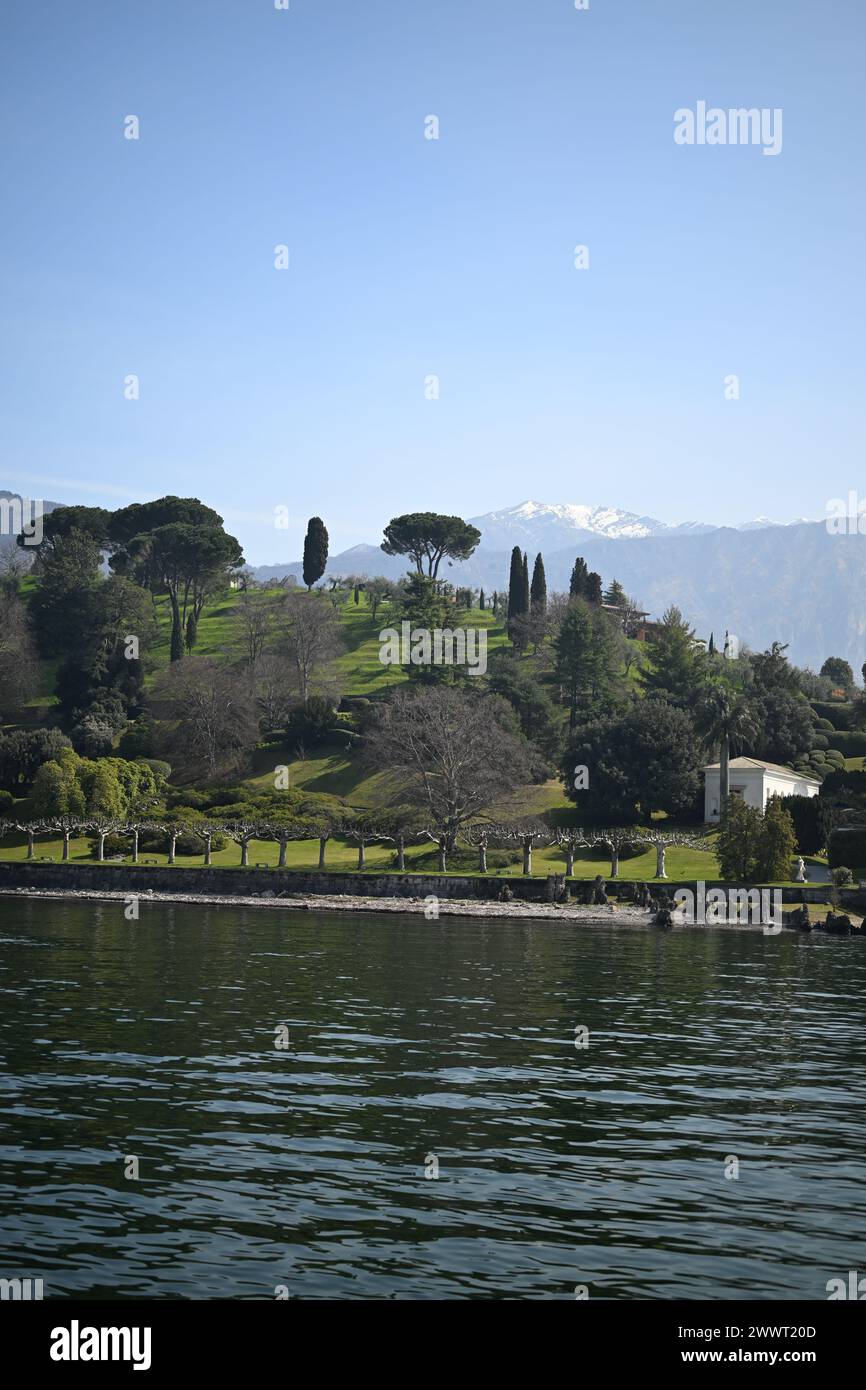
[(66, 844), (482, 857), (361, 857), (442, 854), (569, 861), (29, 844), (614, 862), (207, 849), (101, 846), (135, 846), (323, 840), (171, 848), (282, 860), (245, 853), (660, 861), (527, 855), (401, 853)]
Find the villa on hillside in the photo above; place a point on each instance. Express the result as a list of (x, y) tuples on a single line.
[(755, 782), (633, 622)]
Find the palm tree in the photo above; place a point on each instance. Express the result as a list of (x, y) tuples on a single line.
[(725, 719)]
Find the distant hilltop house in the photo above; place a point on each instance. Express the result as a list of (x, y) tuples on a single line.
[(755, 782), (634, 622)]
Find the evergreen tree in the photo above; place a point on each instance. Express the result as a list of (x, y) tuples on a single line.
[(678, 662), (579, 576), (778, 842), (176, 650), (481, 600), (615, 595), (515, 584), (593, 587), (711, 646), (524, 587), (584, 659), (738, 842), (538, 589), (315, 551)]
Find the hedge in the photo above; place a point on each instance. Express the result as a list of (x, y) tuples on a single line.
[(837, 714), (847, 845), (850, 745)]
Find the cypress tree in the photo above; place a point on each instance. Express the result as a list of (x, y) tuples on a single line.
[(515, 581), (524, 587), (593, 587), (711, 646), (538, 590), (315, 551), (176, 638), (579, 576)]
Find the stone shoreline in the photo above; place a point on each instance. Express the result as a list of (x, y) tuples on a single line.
[(619, 915)]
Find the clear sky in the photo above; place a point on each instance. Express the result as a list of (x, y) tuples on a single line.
[(304, 388)]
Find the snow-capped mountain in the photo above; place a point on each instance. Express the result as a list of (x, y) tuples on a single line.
[(548, 525), (551, 524)]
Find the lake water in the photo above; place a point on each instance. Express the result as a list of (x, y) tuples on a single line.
[(413, 1041)]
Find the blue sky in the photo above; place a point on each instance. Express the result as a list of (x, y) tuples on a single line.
[(305, 388)]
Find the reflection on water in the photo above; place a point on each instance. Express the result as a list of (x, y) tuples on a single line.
[(411, 1041)]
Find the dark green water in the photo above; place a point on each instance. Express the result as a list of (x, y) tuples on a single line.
[(305, 1168)]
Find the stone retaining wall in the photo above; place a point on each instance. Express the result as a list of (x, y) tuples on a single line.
[(223, 882)]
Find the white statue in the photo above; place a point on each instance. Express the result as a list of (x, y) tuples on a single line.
[(800, 876), (660, 862)]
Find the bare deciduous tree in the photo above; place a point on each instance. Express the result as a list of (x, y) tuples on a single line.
[(213, 711), (309, 638), (451, 753)]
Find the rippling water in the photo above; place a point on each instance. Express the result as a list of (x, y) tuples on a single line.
[(411, 1040)]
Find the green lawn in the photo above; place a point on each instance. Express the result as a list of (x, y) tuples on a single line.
[(342, 854)]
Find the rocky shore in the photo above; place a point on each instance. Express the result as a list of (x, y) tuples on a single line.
[(622, 915)]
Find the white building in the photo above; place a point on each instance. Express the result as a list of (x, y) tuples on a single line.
[(755, 782)]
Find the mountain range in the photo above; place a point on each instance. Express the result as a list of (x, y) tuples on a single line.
[(763, 580)]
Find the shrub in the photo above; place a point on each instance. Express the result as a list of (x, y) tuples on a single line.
[(838, 715), (820, 741), (138, 740), (7, 801), (846, 845), (312, 723), (806, 813), (851, 745), (92, 737), (841, 876), (156, 765), (824, 726)]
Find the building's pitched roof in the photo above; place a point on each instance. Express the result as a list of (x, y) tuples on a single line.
[(744, 764)]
